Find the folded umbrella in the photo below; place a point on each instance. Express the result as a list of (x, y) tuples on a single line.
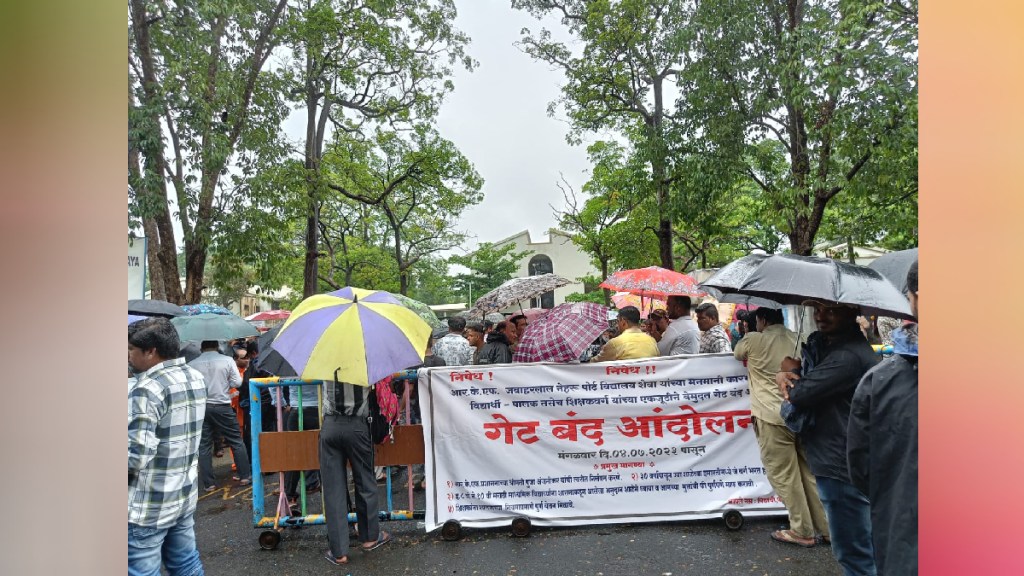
[(357, 336), (653, 282), (894, 266), (212, 327), (792, 279), (562, 334), (159, 308)]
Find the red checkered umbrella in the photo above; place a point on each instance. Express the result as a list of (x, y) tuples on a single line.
[(562, 334), (653, 282)]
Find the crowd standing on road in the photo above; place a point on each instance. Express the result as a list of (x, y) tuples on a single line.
[(836, 428)]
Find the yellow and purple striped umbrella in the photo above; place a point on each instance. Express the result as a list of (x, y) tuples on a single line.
[(362, 335)]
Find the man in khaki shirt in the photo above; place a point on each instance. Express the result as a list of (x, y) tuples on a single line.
[(631, 342), (784, 461)]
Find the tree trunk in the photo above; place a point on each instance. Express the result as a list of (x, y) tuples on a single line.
[(658, 161), (604, 276), (315, 130), (157, 288), (152, 151)]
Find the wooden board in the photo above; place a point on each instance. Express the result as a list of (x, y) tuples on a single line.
[(289, 451), (407, 448), (292, 451)]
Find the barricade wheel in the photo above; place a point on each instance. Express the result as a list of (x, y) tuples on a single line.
[(733, 519), (269, 539), (521, 527), (451, 530)]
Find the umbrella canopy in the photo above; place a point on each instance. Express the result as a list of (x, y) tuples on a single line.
[(358, 335), (517, 289), (268, 315), (154, 308), (562, 334), (532, 314), (622, 299), (196, 309), (495, 317), (743, 301), (791, 279), (134, 318), (270, 359), (894, 266), (421, 309), (653, 281), (212, 327)]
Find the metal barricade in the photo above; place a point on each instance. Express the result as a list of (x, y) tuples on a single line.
[(283, 451)]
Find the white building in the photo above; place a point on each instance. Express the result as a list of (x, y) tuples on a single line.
[(558, 255)]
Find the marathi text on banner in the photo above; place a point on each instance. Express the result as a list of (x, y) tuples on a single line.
[(567, 444)]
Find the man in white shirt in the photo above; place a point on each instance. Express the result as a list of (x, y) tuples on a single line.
[(682, 335), (220, 374)]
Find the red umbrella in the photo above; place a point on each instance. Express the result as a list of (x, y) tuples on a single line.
[(562, 334), (269, 315), (653, 282), (623, 299)]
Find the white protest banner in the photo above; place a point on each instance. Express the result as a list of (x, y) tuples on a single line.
[(136, 268), (568, 444)]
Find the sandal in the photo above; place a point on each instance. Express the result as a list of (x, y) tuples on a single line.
[(788, 537), (336, 561), (382, 539)]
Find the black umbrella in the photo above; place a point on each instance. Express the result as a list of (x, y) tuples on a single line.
[(791, 279), (733, 298), (155, 308), (270, 360), (894, 266)]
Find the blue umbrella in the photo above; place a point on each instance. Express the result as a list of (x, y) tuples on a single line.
[(195, 309), (134, 318)]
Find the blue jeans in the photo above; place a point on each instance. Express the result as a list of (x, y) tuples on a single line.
[(175, 547), (849, 521)]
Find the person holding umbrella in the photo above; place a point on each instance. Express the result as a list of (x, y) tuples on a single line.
[(882, 448), (822, 385)]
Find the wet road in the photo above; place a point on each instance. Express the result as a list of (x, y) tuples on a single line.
[(228, 545)]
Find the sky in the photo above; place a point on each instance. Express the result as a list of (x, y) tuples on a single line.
[(497, 116)]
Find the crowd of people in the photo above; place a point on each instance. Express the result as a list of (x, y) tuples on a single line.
[(836, 427)]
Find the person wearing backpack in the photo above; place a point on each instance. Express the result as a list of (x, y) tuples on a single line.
[(345, 439)]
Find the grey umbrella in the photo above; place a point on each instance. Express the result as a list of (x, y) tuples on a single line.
[(732, 298), (894, 266), (155, 308), (212, 327), (791, 279), (514, 290)]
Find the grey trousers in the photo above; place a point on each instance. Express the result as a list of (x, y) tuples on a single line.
[(221, 417), (347, 439)]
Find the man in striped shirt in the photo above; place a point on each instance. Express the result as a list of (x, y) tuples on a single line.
[(165, 422), (345, 437)]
